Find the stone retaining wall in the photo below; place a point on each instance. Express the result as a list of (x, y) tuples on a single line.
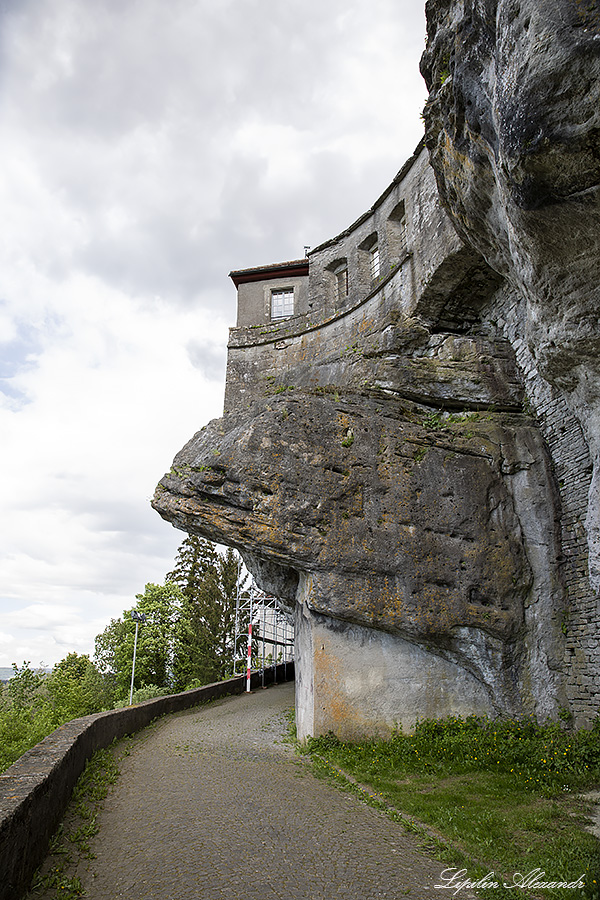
[(572, 464), (35, 791)]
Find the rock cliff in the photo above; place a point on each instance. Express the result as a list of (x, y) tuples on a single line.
[(513, 130), (409, 463)]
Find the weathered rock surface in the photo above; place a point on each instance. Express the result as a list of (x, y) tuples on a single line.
[(414, 464), (375, 509), (513, 130), (423, 518)]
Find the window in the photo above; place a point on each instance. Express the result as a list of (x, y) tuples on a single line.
[(341, 281), (374, 262), (337, 280), (396, 231), (370, 261), (282, 303)]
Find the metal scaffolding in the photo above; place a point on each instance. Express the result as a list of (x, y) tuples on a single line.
[(264, 633)]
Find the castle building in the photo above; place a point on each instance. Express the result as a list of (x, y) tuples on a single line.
[(394, 467)]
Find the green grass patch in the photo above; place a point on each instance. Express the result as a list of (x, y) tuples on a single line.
[(501, 796), (57, 877)]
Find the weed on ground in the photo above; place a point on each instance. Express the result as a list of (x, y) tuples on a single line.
[(71, 842), (486, 796)]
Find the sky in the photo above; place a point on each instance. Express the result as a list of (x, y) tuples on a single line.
[(147, 149)]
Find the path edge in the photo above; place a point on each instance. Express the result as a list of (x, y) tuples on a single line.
[(35, 791)]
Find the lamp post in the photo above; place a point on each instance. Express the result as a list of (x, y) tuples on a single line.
[(137, 618)]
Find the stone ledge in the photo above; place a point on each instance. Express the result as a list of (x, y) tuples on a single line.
[(36, 789), (245, 336)]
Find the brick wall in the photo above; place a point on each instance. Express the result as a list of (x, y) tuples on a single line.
[(573, 469)]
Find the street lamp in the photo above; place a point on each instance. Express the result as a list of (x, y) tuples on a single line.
[(137, 618)]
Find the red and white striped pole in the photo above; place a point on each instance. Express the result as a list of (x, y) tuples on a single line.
[(249, 667)]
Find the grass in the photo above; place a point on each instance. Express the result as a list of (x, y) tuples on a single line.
[(56, 878), (486, 796)]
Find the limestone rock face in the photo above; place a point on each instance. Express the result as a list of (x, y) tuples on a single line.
[(373, 506), (412, 460), (513, 130)]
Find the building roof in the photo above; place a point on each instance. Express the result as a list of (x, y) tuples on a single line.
[(294, 268)]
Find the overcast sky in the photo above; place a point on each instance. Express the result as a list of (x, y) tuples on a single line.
[(146, 149)]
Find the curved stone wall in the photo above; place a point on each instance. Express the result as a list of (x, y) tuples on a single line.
[(35, 790), (418, 454)]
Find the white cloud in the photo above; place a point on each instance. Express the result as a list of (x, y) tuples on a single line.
[(148, 149)]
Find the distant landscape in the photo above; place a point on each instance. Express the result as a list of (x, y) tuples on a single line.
[(185, 640)]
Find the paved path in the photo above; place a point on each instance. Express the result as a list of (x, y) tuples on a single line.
[(211, 805)]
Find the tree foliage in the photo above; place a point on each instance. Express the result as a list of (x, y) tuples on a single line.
[(76, 688), (34, 703), (161, 606), (204, 636), (186, 640), (195, 557)]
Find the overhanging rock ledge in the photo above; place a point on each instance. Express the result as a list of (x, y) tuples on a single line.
[(402, 457)]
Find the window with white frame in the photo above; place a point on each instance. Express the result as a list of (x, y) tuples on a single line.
[(374, 262), (282, 303)]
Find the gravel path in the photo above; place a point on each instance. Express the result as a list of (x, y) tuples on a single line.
[(211, 805)]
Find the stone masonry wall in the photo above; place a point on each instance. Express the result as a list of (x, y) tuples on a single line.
[(573, 468), (393, 465)]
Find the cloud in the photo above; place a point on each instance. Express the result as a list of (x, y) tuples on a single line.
[(148, 149), (142, 144), (209, 359)]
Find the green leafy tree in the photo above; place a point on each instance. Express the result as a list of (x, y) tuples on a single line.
[(25, 688), (161, 605), (188, 635), (76, 688), (205, 631), (34, 703), (107, 655), (25, 715)]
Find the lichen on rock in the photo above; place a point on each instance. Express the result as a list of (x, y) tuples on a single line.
[(412, 462)]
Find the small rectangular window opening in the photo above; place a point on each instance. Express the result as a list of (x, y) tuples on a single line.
[(282, 303), (341, 279), (375, 263)]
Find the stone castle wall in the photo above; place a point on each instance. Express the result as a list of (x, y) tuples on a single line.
[(267, 360), (393, 464)]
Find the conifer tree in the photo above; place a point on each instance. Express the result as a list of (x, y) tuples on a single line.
[(194, 558), (188, 636), (204, 634)]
